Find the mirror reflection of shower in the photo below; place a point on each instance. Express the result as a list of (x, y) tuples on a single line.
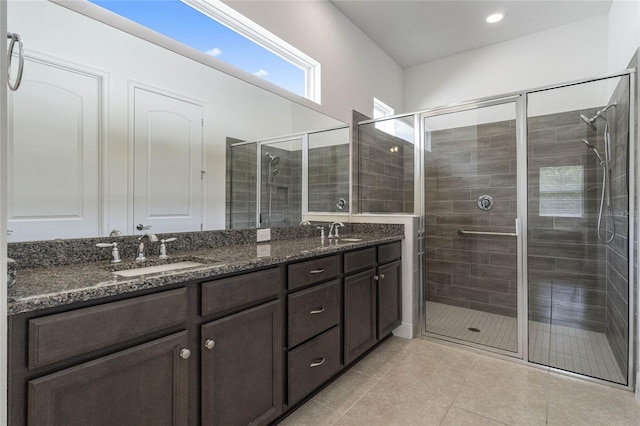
[(273, 161), (605, 163)]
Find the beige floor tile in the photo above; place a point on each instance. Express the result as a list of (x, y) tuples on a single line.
[(443, 356), (379, 362), (312, 414), (577, 402), (345, 391), (458, 417), (501, 370), (347, 421), (409, 395), (513, 400), (397, 344)]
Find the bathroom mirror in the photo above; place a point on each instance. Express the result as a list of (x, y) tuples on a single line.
[(109, 131)]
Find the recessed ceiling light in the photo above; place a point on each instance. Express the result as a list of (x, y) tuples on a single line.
[(496, 17)]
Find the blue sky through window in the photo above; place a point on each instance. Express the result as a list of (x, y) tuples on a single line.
[(183, 23)]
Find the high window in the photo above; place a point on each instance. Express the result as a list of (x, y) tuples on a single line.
[(217, 30)]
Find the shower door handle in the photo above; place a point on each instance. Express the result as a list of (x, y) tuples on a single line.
[(462, 233)]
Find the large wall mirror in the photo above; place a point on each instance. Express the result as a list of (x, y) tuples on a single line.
[(109, 131)]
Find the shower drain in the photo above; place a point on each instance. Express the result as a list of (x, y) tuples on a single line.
[(475, 330)]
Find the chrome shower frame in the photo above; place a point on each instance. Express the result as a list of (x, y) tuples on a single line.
[(522, 200)]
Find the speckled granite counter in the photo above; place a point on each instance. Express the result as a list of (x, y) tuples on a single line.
[(45, 287)]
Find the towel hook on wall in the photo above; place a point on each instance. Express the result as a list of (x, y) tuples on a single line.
[(13, 85)]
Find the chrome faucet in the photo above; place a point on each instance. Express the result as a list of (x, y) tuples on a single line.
[(333, 229), (152, 239)]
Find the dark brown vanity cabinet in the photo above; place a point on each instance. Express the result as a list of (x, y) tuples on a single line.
[(96, 365), (242, 353), (236, 350), (241, 367), (389, 283), (313, 341), (372, 297), (144, 385)]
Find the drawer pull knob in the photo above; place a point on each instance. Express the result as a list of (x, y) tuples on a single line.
[(209, 344), (382, 276), (185, 353), (317, 311), (317, 271), (317, 363)]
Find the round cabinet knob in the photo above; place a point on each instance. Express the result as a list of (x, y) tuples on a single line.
[(185, 353), (381, 275), (209, 344)]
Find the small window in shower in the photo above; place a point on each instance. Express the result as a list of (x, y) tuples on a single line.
[(561, 191)]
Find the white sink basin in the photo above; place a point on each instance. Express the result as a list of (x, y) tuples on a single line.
[(155, 269)]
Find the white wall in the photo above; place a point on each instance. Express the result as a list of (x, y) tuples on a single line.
[(566, 53), (624, 33), (354, 69)]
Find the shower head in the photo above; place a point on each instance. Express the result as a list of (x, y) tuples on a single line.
[(273, 175), (599, 114), (589, 122), (274, 159), (595, 151)]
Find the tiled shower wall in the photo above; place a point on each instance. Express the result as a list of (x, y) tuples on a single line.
[(566, 263), (240, 185), (385, 178), (617, 325), (286, 190), (460, 165), (328, 177)]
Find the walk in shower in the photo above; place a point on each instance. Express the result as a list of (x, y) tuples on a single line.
[(273, 182), (526, 201)]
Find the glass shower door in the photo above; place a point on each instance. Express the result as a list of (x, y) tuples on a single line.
[(471, 256), (578, 228)]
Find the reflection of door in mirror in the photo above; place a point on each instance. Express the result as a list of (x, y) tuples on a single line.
[(281, 182), (167, 175), (54, 153)]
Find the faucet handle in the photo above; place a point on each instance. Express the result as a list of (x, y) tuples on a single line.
[(141, 227), (163, 247), (321, 228), (115, 254)]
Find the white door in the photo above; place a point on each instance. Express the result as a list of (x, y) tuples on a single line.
[(54, 154), (167, 182)]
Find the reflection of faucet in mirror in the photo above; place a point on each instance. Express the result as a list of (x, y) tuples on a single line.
[(333, 229), (152, 239)]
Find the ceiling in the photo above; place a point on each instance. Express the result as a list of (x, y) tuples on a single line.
[(419, 31)]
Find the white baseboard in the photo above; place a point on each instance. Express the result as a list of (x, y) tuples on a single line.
[(404, 330)]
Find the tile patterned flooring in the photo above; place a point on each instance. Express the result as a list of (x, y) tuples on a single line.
[(566, 348), (422, 382)]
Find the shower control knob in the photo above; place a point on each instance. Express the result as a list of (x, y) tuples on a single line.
[(485, 202)]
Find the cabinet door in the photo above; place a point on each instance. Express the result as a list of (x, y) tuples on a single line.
[(144, 385), (359, 314), (242, 367), (389, 297)]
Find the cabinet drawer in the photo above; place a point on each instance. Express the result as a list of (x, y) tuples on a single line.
[(313, 311), (313, 363), (57, 337), (361, 259), (234, 292), (389, 252), (313, 271)]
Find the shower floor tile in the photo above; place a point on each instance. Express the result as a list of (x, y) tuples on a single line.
[(581, 351)]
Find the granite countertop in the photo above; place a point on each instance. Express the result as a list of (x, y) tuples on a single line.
[(46, 287)]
